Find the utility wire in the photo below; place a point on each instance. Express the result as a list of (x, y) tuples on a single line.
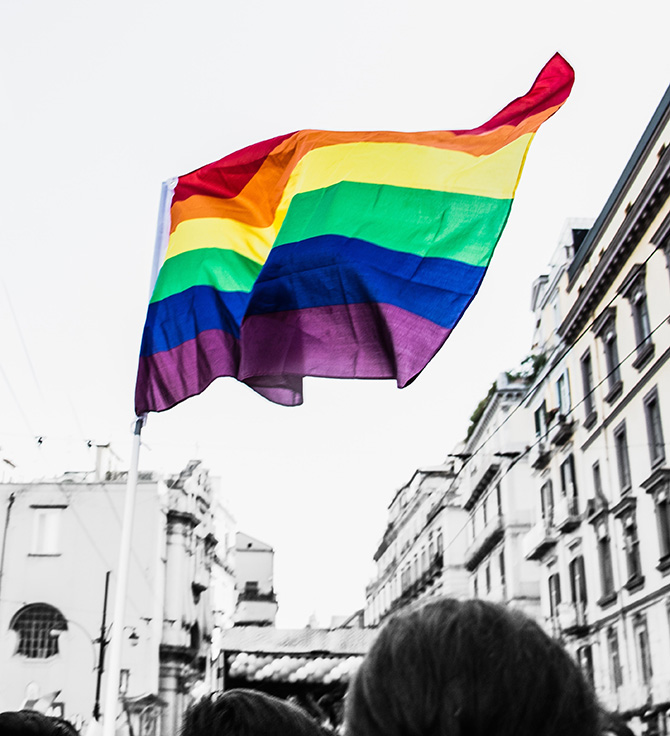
[(555, 360), (570, 411)]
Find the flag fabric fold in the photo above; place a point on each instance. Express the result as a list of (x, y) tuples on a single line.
[(332, 254)]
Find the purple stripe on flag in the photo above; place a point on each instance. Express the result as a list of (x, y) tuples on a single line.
[(277, 350), (164, 379), (346, 341)]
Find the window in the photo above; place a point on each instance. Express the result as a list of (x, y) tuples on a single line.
[(46, 530), (563, 393), (541, 420), (641, 318), (643, 650), (663, 520), (38, 626), (605, 329), (658, 485), (251, 589), (585, 660), (614, 657), (501, 559), (431, 547), (587, 386), (598, 482), (578, 580), (654, 429), (439, 543), (605, 561), (622, 459), (547, 498), (487, 577), (568, 483), (632, 546), (554, 593), (634, 290)]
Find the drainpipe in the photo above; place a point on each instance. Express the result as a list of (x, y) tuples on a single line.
[(10, 503)]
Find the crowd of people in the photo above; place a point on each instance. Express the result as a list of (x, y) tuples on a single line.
[(449, 668)]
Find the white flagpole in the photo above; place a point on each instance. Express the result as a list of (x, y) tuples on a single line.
[(116, 633), (115, 638)]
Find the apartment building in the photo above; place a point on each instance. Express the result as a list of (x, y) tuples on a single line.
[(254, 582), (413, 560), (60, 539), (601, 408), (495, 485)]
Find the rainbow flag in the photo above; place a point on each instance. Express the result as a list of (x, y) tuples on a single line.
[(332, 254)]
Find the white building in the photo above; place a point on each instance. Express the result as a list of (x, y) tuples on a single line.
[(413, 560), (59, 540), (602, 405), (495, 486), (254, 582)]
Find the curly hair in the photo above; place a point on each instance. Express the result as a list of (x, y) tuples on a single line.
[(242, 712), (469, 668)]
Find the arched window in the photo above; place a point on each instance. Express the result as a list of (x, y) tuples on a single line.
[(38, 626)]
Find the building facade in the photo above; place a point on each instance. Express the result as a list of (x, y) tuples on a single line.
[(601, 408), (59, 541), (495, 487), (254, 582), (413, 563)]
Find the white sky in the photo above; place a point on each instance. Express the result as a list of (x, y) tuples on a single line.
[(103, 101)]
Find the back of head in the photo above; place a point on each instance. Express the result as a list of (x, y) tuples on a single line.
[(33, 723), (247, 713), (468, 668)]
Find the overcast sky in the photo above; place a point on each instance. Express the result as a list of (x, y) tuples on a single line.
[(103, 101)]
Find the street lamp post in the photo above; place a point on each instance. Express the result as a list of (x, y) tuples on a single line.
[(102, 641)]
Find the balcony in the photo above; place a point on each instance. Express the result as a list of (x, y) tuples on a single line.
[(481, 482), (572, 618), (539, 456), (566, 514), (562, 430), (539, 540), (253, 594), (484, 542), (418, 586)]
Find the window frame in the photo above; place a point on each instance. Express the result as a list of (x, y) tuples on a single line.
[(47, 524), (555, 599), (586, 365), (634, 290), (631, 541), (605, 329), (37, 638), (654, 423), (643, 649), (622, 458), (605, 564), (614, 657)]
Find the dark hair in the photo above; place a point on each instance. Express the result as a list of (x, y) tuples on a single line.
[(468, 668), (247, 713), (33, 723)]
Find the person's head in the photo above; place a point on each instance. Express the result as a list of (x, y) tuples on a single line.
[(247, 713), (468, 668), (33, 723)]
